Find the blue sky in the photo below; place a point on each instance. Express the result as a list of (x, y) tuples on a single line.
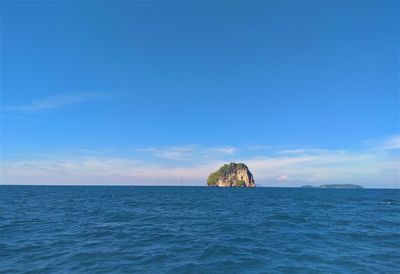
[(162, 93)]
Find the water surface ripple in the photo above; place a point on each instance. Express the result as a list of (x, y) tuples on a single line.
[(198, 230)]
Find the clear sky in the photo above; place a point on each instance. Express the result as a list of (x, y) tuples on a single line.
[(163, 93)]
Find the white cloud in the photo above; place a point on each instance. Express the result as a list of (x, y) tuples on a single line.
[(100, 170), (223, 150), (56, 101), (301, 151), (257, 147), (388, 143), (283, 177), (172, 153), (391, 143), (364, 167), (188, 152)]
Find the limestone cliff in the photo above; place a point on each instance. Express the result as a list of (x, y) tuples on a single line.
[(232, 175)]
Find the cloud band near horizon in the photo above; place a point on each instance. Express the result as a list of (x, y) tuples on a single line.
[(374, 165)]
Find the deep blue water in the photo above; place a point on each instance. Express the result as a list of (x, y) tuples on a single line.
[(198, 229)]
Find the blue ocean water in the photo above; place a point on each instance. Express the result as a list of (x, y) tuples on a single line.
[(46, 229)]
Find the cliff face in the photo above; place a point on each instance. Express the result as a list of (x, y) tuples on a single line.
[(232, 175)]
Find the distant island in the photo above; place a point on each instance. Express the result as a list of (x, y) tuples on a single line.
[(334, 186), (232, 175)]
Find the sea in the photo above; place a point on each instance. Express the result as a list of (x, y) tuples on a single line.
[(131, 229)]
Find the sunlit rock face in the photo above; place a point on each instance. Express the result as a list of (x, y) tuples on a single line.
[(232, 175)]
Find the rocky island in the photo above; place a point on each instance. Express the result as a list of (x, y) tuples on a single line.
[(232, 175)]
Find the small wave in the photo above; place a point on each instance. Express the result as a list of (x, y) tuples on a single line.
[(390, 202)]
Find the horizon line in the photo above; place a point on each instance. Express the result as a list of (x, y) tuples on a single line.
[(261, 186)]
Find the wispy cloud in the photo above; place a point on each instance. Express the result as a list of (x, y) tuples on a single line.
[(188, 152), (172, 153), (334, 166), (56, 101), (223, 150), (301, 151), (391, 143), (283, 177), (387, 143), (100, 170), (257, 147)]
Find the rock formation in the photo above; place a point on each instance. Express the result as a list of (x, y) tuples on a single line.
[(232, 175)]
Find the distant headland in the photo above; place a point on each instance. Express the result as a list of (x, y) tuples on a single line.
[(334, 186), (232, 175)]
